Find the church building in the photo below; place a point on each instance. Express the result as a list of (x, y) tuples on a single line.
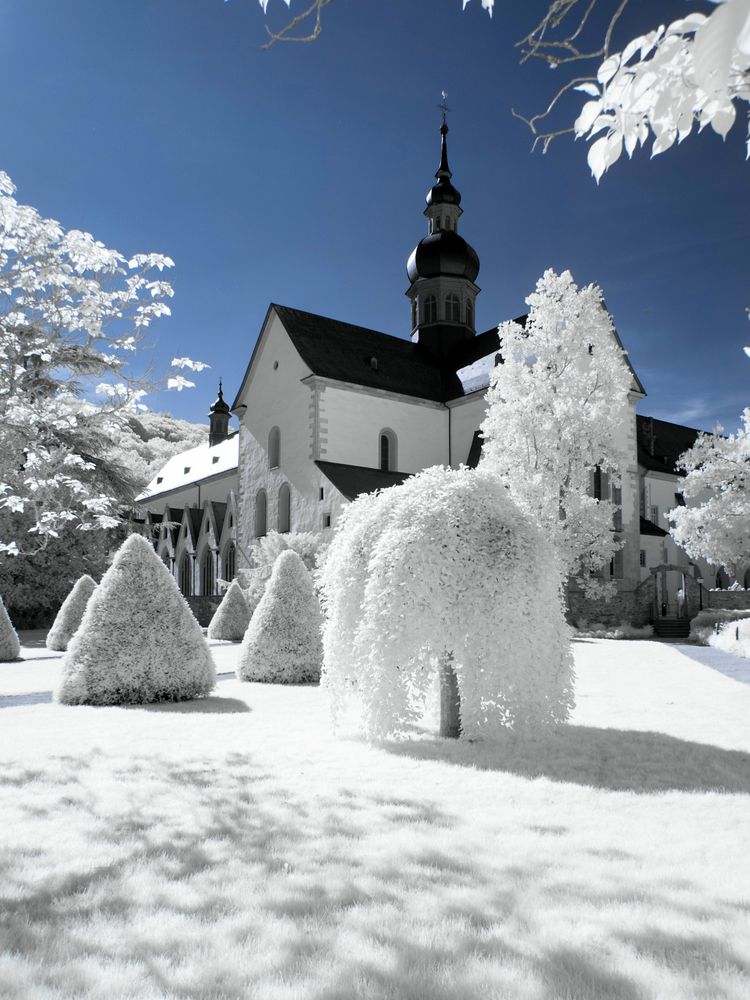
[(328, 410)]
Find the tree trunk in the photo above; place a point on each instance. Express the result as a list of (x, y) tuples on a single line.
[(450, 702)]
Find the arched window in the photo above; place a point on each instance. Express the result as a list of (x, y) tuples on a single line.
[(430, 309), (229, 562), (208, 573), (453, 308), (260, 513), (747, 579), (719, 581), (387, 456), (186, 575), (413, 314), (470, 314), (285, 508), (274, 449)]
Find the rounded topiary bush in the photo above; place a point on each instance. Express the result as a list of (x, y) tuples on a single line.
[(444, 569), (70, 615), (10, 647), (283, 643), (232, 616), (138, 641)]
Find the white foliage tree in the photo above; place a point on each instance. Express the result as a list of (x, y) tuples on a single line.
[(715, 523), (308, 545), (693, 72), (444, 567), (71, 613), (10, 647), (232, 616), (72, 312), (282, 644), (138, 641), (556, 404)]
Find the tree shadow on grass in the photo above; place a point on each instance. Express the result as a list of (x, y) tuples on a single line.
[(616, 759), (203, 888)]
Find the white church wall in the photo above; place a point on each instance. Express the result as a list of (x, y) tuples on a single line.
[(466, 417), (660, 490), (353, 418)]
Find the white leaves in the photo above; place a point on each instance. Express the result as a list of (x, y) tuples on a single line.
[(179, 383), (747, 351), (608, 69), (196, 366), (695, 70), (588, 88), (9, 549), (603, 153)]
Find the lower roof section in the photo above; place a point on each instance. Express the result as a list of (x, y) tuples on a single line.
[(352, 480)]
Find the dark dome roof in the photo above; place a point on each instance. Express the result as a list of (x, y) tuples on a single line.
[(443, 252), (443, 193), (219, 405)]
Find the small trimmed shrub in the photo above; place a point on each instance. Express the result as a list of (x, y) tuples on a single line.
[(70, 614), (232, 616), (733, 637), (597, 630), (703, 626), (283, 644), (138, 641), (10, 647)]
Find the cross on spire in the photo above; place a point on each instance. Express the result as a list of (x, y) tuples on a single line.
[(444, 105)]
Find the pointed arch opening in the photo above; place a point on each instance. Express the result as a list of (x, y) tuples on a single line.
[(285, 508), (260, 513), (229, 562), (186, 575), (452, 308), (274, 448), (387, 444), (208, 573)]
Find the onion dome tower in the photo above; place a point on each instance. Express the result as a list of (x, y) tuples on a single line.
[(442, 270), (218, 419)]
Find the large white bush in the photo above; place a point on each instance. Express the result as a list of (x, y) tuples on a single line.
[(283, 641), (733, 637), (138, 641), (70, 614), (310, 546), (10, 647), (232, 616), (444, 564)]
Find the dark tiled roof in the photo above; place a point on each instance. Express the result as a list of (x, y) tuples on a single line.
[(195, 519), (344, 352), (219, 511), (352, 480), (649, 528), (660, 443)]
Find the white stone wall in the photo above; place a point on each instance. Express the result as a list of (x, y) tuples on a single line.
[(350, 421), (466, 417)]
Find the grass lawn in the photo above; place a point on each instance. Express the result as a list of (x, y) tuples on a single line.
[(232, 847)]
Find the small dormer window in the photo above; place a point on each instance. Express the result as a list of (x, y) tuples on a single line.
[(187, 469), (215, 459), (159, 479), (374, 364)]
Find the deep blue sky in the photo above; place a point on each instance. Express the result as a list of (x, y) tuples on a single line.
[(298, 175)]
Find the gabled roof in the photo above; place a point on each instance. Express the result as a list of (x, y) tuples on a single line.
[(349, 353), (661, 443), (353, 480), (194, 520), (201, 463), (218, 512)]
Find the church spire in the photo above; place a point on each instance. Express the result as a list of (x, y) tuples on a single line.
[(218, 420), (443, 268)]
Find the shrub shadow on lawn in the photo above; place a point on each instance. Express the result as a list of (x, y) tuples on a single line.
[(209, 705), (615, 759)]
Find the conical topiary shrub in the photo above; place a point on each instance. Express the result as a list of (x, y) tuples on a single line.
[(10, 647), (283, 644), (138, 641), (70, 614), (232, 616)]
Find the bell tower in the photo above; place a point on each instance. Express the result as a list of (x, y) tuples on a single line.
[(218, 420), (442, 269)]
